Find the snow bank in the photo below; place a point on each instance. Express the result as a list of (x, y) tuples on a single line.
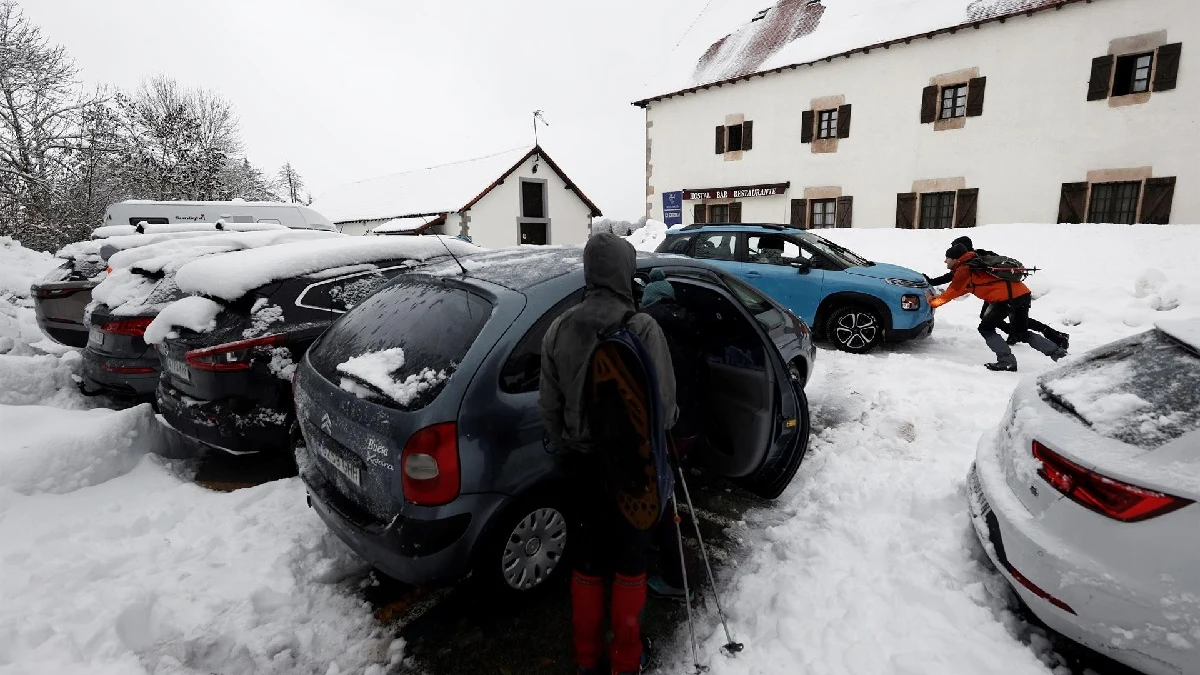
[(19, 267), (53, 450), (232, 275), (196, 313), (648, 237), (379, 369)]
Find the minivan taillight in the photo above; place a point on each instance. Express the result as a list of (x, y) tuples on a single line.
[(429, 465), (231, 355), (129, 327), (1106, 496)]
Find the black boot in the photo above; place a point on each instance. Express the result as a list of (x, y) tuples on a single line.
[(1001, 367), (1061, 339)]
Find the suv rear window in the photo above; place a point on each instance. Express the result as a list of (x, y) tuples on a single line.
[(434, 326), (1142, 391), (677, 244)]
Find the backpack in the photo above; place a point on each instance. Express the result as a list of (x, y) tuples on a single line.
[(625, 418), (1000, 266)]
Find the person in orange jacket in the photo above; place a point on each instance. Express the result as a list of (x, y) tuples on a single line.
[(1005, 300)]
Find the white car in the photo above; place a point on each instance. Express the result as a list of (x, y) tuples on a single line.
[(1085, 499)]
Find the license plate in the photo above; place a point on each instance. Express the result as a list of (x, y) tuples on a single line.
[(179, 369), (95, 337), (979, 502), (348, 468)]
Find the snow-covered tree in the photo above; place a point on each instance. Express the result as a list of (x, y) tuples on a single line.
[(290, 182)]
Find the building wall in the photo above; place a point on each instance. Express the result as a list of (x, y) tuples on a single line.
[(359, 228), (1037, 130), (493, 220)]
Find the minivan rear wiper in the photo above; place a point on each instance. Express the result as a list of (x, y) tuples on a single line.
[(373, 388)]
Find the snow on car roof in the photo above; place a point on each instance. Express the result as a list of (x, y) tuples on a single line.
[(182, 250), (1186, 331), (432, 190), (732, 39), (108, 247), (231, 275), (516, 268)]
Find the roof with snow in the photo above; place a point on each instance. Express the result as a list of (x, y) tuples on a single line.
[(732, 41), (432, 191)]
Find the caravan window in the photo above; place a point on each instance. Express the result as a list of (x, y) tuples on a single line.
[(270, 220), (149, 221)]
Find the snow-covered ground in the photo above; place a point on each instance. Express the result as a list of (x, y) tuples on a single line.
[(112, 561)]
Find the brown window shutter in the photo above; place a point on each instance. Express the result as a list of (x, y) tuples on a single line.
[(806, 126), (1167, 70), (1156, 200), (698, 214), (845, 211), (975, 96), (735, 212), (843, 129), (966, 207), (1101, 77), (1073, 203), (906, 209), (720, 140), (799, 213), (929, 104), (747, 135)]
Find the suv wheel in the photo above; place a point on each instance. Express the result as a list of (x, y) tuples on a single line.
[(532, 548), (855, 329)]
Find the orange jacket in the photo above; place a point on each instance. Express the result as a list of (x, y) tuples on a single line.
[(983, 285)]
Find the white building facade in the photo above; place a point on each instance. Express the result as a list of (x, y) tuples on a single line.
[(1038, 111), (510, 198)]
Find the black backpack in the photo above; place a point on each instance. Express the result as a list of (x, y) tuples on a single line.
[(1000, 266)]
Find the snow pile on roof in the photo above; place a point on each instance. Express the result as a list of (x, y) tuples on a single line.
[(726, 42), (105, 248), (232, 275), (379, 370), (434, 190), (196, 313), (403, 224)]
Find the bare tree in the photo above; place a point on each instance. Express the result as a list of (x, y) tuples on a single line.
[(39, 108), (290, 182)]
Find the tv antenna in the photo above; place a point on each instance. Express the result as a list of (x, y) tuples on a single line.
[(538, 117)]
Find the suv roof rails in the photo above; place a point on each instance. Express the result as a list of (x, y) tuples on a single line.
[(767, 226)]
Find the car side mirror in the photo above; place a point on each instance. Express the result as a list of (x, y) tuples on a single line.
[(803, 266)]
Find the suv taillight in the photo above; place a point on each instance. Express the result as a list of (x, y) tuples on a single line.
[(1106, 496), (130, 327), (232, 355), (429, 465)]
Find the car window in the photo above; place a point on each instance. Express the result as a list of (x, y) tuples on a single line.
[(718, 246), (677, 245), (433, 324), (522, 371), (764, 311), (340, 294), (775, 249)]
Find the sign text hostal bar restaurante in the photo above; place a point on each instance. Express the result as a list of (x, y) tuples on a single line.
[(740, 192)]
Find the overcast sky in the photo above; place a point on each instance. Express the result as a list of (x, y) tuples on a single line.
[(352, 89)]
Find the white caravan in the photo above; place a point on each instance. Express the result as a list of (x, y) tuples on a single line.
[(136, 211)]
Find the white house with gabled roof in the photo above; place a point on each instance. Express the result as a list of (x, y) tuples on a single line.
[(929, 113), (518, 196)]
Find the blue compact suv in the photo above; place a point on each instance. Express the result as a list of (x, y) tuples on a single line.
[(851, 301)]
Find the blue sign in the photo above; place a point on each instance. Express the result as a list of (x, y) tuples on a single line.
[(673, 208)]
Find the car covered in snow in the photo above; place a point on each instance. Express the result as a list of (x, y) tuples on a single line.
[(141, 281), (228, 350), (422, 442), (1085, 498), (855, 303), (60, 299)]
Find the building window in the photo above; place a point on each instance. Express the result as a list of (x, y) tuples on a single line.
[(735, 137), (954, 101), (1114, 202), (718, 213), (827, 124), (824, 213), (937, 210), (1132, 74), (533, 199)]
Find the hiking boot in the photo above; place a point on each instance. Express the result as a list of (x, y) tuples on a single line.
[(1061, 339), (1003, 367), (659, 588), (1058, 355)]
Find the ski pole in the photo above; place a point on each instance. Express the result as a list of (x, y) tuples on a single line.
[(686, 593), (731, 646)]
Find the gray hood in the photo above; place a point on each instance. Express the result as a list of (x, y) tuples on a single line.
[(608, 265)]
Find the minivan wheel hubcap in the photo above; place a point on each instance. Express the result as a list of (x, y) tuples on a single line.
[(534, 548), (856, 330)]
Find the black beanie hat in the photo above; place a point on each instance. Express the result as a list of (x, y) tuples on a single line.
[(956, 251), (965, 241)]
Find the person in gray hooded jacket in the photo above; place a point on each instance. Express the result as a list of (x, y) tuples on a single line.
[(604, 542)]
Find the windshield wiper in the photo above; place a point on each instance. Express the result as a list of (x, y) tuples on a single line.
[(373, 388)]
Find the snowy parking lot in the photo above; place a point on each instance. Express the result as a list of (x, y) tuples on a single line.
[(112, 560)]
